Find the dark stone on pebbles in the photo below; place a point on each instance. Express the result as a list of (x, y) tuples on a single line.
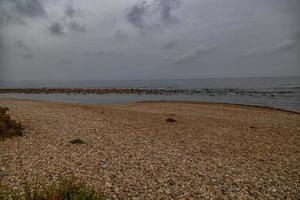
[(76, 141), (171, 120), (3, 173)]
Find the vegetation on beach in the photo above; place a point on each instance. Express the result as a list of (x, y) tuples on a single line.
[(63, 190), (8, 126)]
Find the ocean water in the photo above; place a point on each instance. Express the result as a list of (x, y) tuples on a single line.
[(278, 92)]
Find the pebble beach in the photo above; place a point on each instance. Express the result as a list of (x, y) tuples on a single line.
[(156, 150)]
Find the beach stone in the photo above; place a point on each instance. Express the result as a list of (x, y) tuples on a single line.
[(171, 120), (3, 173), (103, 164), (108, 184), (76, 141)]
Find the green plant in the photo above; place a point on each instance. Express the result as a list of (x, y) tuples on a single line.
[(63, 190), (8, 126)]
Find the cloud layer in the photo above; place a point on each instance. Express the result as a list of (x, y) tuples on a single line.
[(149, 14), (280, 47), (148, 39), (13, 11), (194, 54), (56, 29)]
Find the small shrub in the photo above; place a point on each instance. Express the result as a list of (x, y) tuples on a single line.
[(9, 127), (3, 110)]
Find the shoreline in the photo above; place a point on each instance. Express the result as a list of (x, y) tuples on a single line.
[(162, 101), (222, 103)]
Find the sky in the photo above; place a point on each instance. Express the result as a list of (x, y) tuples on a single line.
[(148, 39)]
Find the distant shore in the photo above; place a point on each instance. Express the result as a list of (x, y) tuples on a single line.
[(169, 150)]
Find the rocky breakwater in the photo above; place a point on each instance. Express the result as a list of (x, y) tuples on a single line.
[(144, 91), (97, 91)]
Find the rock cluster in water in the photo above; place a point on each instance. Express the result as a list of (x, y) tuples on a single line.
[(141, 91)]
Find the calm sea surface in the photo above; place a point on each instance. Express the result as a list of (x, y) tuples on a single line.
[(279, 92)]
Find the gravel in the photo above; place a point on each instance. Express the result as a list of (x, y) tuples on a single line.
[(212, 151)]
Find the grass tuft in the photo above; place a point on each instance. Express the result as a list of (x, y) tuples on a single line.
[(64, 190)]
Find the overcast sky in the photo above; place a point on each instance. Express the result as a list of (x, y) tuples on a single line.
[(150, 39)]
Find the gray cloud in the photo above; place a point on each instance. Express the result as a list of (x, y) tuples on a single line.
[(283, 46), (2, 46), (137, 14), (297, 36), (70, 11), (28, 56), (65, 61), (103, 53), (56, 29), (14, 11), (6, 18), (171, 44), (31, 8), (156, 38), (21, 44), (166, 7), (193, 54), (75, 26), (152, 14), (70, 19), (121, 35)]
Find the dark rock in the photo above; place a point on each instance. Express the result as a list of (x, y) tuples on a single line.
[(171, 182), (76, 141), (3, 173), (171, 120)]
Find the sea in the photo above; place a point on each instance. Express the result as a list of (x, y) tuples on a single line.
[(277, 92)]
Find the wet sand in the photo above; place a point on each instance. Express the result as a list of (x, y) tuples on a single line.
[(132, 152)]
